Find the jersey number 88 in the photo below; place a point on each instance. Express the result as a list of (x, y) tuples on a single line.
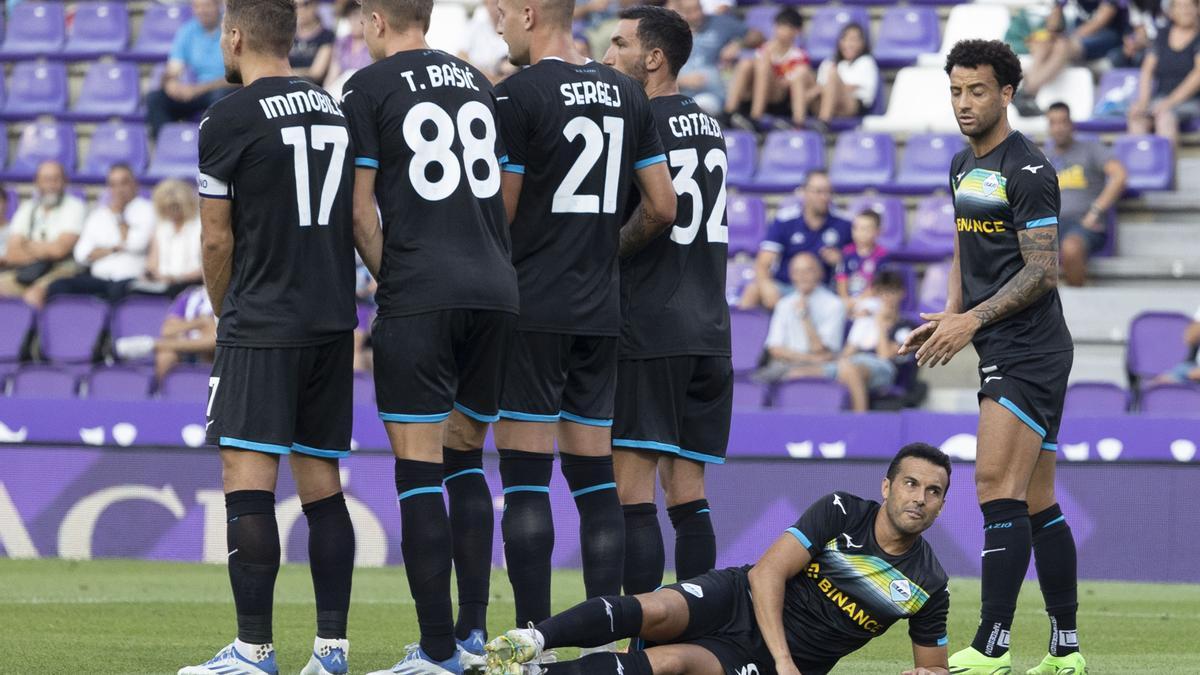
[(439, 150)]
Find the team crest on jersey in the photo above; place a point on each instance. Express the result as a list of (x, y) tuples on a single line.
[(693, 589), (901, 590), (830, 237), (990, 185)]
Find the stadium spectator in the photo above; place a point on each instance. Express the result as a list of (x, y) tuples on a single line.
[(4, 222), (1091, 181), (43, 233), (313, 49), (1076, 31), (349, 51), (196, 52), (1169, 89), (485, 49), (846, 85), (717, 40), (1146, 18), (773, 79), (189, 333), (174, 259), (806, 328), (861, 258), (1186, 372), (868, 361), (810, 228), (112, 247)]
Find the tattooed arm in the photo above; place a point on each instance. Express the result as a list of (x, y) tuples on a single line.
[(1039, 248)]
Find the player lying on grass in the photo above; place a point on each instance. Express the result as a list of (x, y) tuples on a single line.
[(843, 574)]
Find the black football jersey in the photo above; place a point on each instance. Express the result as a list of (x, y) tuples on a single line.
[(673, 291), (853, 590), (1012, 187), (577, 133), (426, 121), (279, 148)]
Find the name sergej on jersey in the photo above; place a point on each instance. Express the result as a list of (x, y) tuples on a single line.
[(587, 93)]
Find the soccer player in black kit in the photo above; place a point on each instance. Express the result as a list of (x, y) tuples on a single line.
[(1003, 296), (846, 571), (675, 380), (427, 151), (276, 179), (579, 137)]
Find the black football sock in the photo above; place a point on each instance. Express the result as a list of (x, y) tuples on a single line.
[(331, 561), (603, 663), (695, 543), (528, 529), (601, 522), (471, 527), (593, 623), (643, 549), (253, 539), (1055, 559), (425, 543), (1007, 544)]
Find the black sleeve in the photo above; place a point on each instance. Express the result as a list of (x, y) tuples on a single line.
[(514, 128), (361, 113), (928, 626), (822, 521), (219, 154), (650, 146), (1033, 193)]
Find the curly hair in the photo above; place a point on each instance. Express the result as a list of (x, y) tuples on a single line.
[(994, 53)]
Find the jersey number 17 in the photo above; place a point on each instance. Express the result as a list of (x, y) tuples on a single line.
[(323, 135)]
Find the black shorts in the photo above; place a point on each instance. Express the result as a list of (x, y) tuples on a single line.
[(1033, 387), (427, 364), (721, 620), (554, 376), (680, 405), (282, 399)]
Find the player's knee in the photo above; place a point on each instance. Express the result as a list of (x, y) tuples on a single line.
[(668, 663), (660, 610)]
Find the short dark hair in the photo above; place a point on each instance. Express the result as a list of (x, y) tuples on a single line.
[(269, 25), (872, 215), (401, 14), (788, 16), (1059, 105), (923, 451), (661, 28), (889, 280), (994, 53)]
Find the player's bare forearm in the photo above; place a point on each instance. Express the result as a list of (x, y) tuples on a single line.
[(510, 188), (641, 229), (368, 234), (768, 579), (658, 193), (929, 661), (216, 241), (954, 284), (1039, 248)]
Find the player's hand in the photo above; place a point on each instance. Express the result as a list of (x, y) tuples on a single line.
[(786, 666), (917, 337), (953, 332), (922, 671)]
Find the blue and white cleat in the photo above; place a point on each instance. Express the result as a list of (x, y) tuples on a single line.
[(231, 661), (417, 662), (329, 657), (471, 653)]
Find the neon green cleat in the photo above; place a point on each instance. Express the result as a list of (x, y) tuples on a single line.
[(1071, 664), (970, 662), (507, 653)]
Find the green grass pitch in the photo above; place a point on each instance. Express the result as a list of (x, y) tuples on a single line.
[(117, 616)]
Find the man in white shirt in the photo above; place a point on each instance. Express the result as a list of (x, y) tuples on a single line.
[(807, 326), (114, 241), (43, 233)]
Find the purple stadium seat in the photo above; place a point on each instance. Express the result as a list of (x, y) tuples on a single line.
[(69, 326), (364, 389), (159, 25), (39, 142), (98, 28), (1117, 89), (1097, 399), (738, 274), (810, 396), (904, 34), (1149, 160), (932, 294), (747, 394), (176, 152), (114, 143), (741, 149), (185, 383), (34, 29), (891, 216), (748, 332), (118, 383), (825, 26), (16, 318), (925, 164), (42, 382), (11, 192), (932, 234), (1155, 344), (762, 18), (36, 88), (108, 90), (747, 223), (786, 159), (139, 315), (862, 160), (1171, 399)]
